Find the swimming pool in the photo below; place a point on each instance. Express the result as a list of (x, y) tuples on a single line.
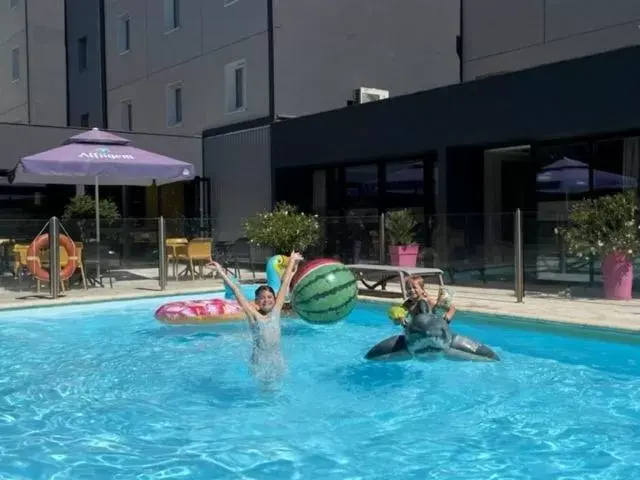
[(104, 391)]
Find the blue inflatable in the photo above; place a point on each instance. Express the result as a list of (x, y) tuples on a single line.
[(274, 269)]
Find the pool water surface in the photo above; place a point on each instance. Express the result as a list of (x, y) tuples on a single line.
[(105, 391)]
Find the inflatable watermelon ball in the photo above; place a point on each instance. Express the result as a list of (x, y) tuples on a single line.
[(323, 291)]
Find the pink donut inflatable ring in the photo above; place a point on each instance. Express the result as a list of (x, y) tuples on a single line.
[(214, 310)]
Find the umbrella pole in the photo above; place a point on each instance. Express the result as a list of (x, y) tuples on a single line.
[(563, 256), (98, 230)]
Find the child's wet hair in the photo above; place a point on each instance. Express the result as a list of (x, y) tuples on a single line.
[(417, 279), (264, 288)]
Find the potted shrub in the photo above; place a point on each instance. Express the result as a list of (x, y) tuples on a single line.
[(606, 227), (283, 229), (82, 209), (400, 226)]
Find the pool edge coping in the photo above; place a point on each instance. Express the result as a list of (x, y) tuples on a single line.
[(64, 302), (523, 318), (526, 318)]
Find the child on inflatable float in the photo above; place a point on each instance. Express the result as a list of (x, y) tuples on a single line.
[(425, 321), (264, 320)]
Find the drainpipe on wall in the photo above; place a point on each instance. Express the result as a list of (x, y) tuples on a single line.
[(272, 91), (271, 60), (103, 67), (459, 43), (26, 54), (68, 71)]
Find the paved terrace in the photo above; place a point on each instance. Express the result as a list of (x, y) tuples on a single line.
[(578, 306)]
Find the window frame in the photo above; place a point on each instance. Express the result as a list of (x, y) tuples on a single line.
[(82, 44), (231, 86), (171, 24), (123, 28), (172, 107), (126, 111), (15, 65)]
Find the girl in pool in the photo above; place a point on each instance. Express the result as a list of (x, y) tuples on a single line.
[(264, 320), (417, 293)]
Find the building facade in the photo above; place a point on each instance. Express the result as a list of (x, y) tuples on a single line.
[(33, 79), (315, 57), (52, 76), (237, 71), (475, 159), (185, 66), (500, 36), (85, 60)]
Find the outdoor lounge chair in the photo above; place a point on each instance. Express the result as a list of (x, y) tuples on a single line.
[(386, 273)]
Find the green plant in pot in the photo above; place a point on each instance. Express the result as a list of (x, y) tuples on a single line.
[(80, 215), (400, 227), (283, 229), (606, 228)]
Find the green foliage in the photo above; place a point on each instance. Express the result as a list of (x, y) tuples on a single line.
[(83, 207), (603, 225), (400, 226), (284, 229)]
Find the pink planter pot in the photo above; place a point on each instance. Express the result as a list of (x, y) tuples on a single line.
[(404, 255), (617, 276)]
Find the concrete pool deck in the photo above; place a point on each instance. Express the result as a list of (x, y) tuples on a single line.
[(554, 307)]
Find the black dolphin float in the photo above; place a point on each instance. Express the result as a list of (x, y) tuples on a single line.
[(427, 337)]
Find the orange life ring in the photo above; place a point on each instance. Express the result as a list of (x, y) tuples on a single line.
[(33, 257)]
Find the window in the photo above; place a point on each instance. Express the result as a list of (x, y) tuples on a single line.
[(13, 4), (235, 86), (174, 104), (82, 54), (84, 120), (15, 64), (124, 34), (127, 115), (171, 15)]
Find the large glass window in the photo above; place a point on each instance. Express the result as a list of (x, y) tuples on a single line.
[(562, 177), (615, 165), (295, 186), (25, 208), (404, 185), (569, 173), (362, 189)]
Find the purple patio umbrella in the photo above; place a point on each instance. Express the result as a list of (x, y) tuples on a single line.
[(98, 158), (572, 176)]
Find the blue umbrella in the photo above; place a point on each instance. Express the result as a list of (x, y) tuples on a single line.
[(572, 176)]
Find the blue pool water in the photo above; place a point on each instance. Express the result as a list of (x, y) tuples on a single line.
[(104, 391)]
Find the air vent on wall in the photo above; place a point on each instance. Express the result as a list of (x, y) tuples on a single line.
[(365, 95)]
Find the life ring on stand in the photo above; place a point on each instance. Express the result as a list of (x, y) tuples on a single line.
[(33, 257)]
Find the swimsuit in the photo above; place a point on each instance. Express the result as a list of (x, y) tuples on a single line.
[(267, 363)]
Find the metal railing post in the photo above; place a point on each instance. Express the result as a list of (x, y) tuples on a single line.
[(162, 254), (382, 241), (54, 254), (518, 256)]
